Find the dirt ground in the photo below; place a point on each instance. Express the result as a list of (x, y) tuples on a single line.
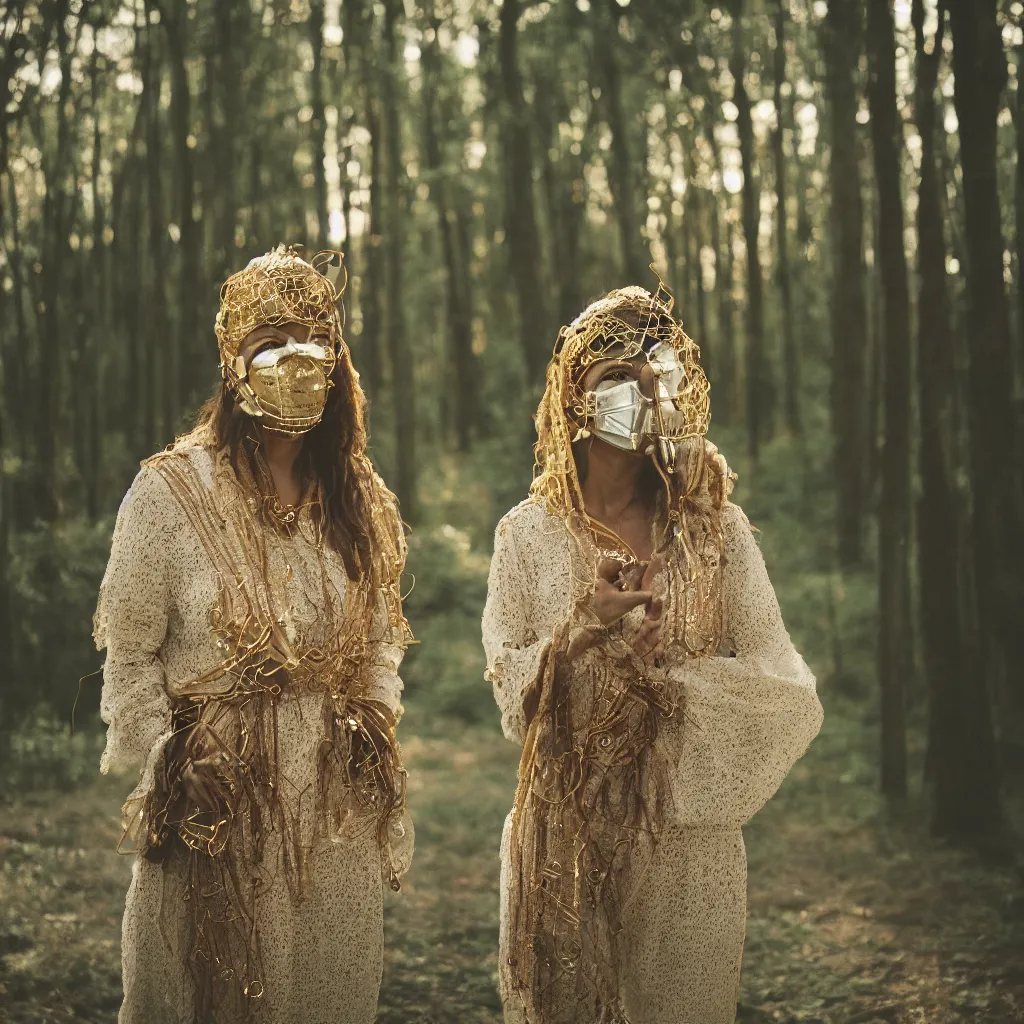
[(855, 914)]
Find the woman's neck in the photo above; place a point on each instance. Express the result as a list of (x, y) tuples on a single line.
[(612, 483), (281, 452)]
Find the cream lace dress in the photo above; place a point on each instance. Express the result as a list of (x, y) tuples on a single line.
[(748, 718), (322, 954)]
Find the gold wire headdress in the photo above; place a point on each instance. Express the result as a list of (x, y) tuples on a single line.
[(626, 322), (281, 287)]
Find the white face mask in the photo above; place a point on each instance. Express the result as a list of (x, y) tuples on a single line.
[(624, 417), (622, 414), (285, 386)]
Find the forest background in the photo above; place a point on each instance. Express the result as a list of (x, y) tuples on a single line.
[(834, 193)]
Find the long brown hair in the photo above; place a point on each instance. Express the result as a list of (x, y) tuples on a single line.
[(333, 457)]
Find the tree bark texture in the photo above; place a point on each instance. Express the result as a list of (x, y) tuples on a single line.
[(979, 68), (621, 167), (961, 745), (520, 206), (318, 123), (790, 351), (193, 370), (403, 392), (458, 299), (759, 391), (896, 630), (842, 39)]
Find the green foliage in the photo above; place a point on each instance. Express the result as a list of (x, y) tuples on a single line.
[(43, 753), (55, 574), (444, 671)]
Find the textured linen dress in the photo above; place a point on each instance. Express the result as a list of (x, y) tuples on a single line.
[(322, 953), (747, 720)]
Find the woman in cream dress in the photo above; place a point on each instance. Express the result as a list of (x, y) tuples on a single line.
[(253, 630), (636, 650)]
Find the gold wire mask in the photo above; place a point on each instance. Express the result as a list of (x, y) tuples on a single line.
[(286, 387)]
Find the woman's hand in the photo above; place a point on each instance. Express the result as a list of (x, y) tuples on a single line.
[(617, 592), (202, 782), (649, 640)]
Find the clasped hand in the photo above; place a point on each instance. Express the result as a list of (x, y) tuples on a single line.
[(619, 590)]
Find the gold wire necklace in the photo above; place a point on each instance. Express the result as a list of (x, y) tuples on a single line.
[(284, 515), (620, 551)]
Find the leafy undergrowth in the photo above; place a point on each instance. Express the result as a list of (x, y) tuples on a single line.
[(855, 914)]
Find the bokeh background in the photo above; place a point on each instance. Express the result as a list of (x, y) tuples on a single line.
[(833, 191)]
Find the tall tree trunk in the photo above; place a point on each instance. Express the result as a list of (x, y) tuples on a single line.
[(55, 226), (703, 336), (565, 195), (979, 69), (152, 329), (520, 207), (1019, 206), (896, 631), (127, 276), (961, 745), (842, 37), (318, 124), (192, 356), (725, 380), (875, 347), (685, 298), (403, 392), (463, 363), (371, 297), (621, 175), (98, 327), (231, 23), (758, 378), (790, 352), (17, 374)]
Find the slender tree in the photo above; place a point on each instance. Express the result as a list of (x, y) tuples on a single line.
[(403, 392), (979, 68), (57, 220), (758, 376), (961, 745), (458, 299), (622, 164), (520, 206), (790, 351), (186, 379), (318, 122), (895, 651), (842, 44), (155, 358)]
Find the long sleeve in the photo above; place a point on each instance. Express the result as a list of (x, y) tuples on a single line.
[(522, 625), (515, 656), (746, 718), (383, 656), (131, 623)]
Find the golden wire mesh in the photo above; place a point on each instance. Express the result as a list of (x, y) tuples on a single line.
[(603, 329), (626, 322), (276, 288)]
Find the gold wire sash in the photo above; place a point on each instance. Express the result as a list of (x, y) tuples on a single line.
[(225, 741)]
